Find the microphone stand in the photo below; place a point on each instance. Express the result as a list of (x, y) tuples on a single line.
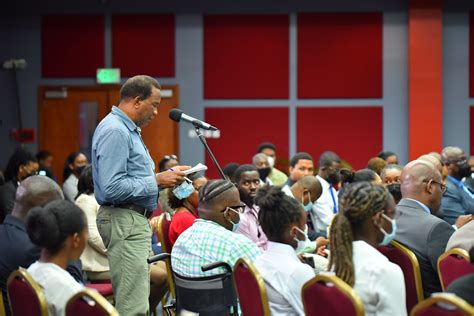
[(209, 151)]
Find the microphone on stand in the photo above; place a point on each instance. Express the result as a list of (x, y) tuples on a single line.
[(178, 115)]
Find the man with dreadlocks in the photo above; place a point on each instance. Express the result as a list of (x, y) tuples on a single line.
[(366, 219), (211, 238)]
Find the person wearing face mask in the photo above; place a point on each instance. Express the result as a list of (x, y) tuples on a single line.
[(366, 219), (327, 205), (184, 202), (276, 176), (457, 200), (212, 236), (261, 161), (21, 165), (75, 163), (283, 220)]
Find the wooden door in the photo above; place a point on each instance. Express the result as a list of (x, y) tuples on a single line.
[(68, 117)]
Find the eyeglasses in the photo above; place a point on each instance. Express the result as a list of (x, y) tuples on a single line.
[(441, 185), (458, 162), (238, 208), (169, 157)]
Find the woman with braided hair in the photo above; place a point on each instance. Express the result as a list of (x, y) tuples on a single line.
[(366, 219)]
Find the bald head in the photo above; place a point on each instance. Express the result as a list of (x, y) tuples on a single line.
[(451, 153), (35, 191), (309, 183), (422, 182), (433, 160)]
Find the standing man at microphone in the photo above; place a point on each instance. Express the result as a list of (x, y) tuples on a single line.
[(127, 187)]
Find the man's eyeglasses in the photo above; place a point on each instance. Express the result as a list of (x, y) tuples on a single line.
[(237, 208), (461, 161), (169, 157), (441, 185)]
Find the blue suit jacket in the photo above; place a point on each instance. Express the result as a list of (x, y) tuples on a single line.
[(456, 202)]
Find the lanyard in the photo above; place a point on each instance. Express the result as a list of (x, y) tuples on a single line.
[(333, 199)]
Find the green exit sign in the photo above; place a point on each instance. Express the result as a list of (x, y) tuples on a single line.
[(108, 75)]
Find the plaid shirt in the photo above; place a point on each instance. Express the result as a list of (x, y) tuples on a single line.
[(208, 242)]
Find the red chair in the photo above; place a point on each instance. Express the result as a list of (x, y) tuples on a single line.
[(327, 295), (105, 289), (250, 289), (443, 304), (90, 303), (25, 295), (407, 261), (162, 230), (452, 265)]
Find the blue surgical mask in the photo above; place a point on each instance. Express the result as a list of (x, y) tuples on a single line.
[(387, 238), (308, 207), (301, 243), (235, 226), (184, 190)]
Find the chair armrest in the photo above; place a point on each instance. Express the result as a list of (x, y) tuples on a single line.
[(160, 257), (214, 265)]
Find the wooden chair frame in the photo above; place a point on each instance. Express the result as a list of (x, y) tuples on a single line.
[(451, 299), (161, 238), (260, 282), (25, 276), (341, 286), (455, 251), (101, 302)]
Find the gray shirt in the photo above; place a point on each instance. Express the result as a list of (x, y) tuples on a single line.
[(122, 167)]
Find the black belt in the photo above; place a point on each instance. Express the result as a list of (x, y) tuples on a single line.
[(139, 209)]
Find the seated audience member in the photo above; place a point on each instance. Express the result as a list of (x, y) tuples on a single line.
[(45, 161), (376, 164), (20, 166), (419, 230), (16, 248), (389, 157), (391, 174), (283, 220), (435, 161), (301, 164), (167, 162), (60, 229), (276, 176), (229, 171), (75, 163), (185, 206), (366, 219), (395, 191), (469, 181), (366, 175), (457, 200), (327, 205), (263, 167), (211, 238), (444, 168), (94, 258), (464, 286), (462, 238), (248, 183)]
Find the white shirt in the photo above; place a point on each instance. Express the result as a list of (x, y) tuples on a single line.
[(287, 190), (284, 276), (70, 187), (57, 284), (323, 209), (378, 282)]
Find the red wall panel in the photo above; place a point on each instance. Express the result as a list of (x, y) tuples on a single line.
[(72, 45), (246, 56), (340, 55), (471, 54), (242, 130), (354, 133), (471, 128), (144, 44)]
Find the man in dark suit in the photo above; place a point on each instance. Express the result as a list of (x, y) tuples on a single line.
[(457, 200), (419, 230)]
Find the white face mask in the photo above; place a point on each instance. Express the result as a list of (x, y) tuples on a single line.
[(301, 243), (271, 161)]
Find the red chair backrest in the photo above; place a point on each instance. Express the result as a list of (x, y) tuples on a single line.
[(452, 265), (327, 295), (250, 289), (163, 232), (443, 304), (411, 271), (90, 303), (25, 295)]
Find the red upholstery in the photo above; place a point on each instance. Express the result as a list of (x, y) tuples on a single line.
[(249, 292), (399, 258), (434, 310), (165, 229), (453, 267), (105, 289), (322, 299), (80, 307), (20, 292)]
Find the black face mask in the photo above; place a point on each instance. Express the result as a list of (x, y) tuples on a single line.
[(78, 170), (334, 178), (464, 170), (263, 173)]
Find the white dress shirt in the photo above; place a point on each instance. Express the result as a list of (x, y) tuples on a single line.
[(57, 284), (323, 209), (284, 276), (378, 282), (70, 187)]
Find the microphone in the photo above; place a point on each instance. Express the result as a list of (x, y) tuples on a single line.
[(178, 115)]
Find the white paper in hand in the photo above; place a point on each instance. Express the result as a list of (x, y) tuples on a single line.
[(196, 168)]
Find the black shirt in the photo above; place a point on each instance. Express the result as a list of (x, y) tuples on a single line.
[(463, 287)]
